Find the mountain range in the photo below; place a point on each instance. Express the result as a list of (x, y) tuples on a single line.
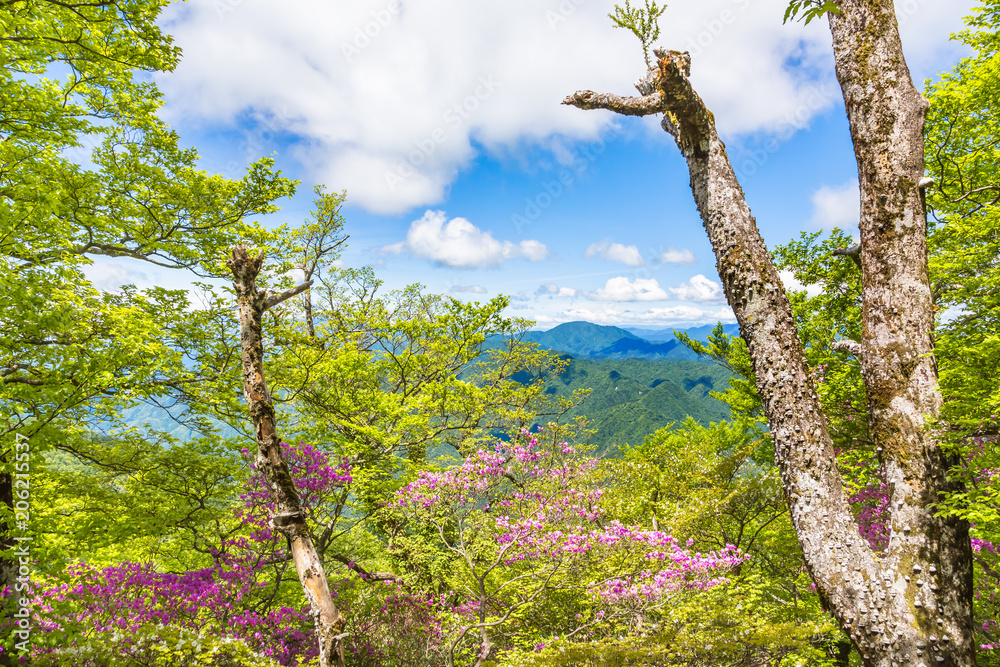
[(593, 341), (640, 380)]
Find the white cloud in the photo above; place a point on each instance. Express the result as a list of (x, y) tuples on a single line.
[(371, 102), (837, 206), (923, 26), (791, 283), (460, 244), (472, 289), (616, 252), (364, 88), (677, 256), (535, 251), (553, 291), (699, 288), (622, 289)]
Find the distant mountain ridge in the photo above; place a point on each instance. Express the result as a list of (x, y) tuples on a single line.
[(594, 341)]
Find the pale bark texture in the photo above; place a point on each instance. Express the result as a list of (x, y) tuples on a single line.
[(289, 517), (912, 606)]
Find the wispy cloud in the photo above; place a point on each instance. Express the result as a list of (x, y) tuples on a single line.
[(469, 289), (553, 291), (677, 256), (837, 206)]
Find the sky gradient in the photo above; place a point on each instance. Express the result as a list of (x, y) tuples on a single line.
[(442, 121)]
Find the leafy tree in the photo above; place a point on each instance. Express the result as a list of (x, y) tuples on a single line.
[(89, 170), (717, 485), (963, 156), (880, 600)]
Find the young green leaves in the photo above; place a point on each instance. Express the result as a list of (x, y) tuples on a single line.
[(643, 22), (810, 9)]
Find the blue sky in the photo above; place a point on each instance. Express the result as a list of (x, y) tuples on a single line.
[(442, 121)]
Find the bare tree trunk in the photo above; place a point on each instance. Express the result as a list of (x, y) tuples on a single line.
[(914, 606), (289, 517)]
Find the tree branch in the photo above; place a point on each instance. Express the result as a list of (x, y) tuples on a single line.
[(275, 299), (854, 252), (628, 106), (365, 574)]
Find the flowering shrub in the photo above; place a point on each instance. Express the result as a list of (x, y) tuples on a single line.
[(131, 610), (525, 522)]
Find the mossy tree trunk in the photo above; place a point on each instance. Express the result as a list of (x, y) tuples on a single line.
[(912, 606)]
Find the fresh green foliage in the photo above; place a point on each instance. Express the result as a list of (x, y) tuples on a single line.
[(89, 172), (807, 10), (154, 646), (963, 156), (643, 22), (831, 315), (388, 385)]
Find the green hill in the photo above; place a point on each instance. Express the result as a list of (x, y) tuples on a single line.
[(631, 398)]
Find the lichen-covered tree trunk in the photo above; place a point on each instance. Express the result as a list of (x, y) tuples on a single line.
[(289, 517), (914, 605)]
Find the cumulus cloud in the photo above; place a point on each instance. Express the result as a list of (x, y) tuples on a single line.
[(699, 288), (331, 76), (471, 289), (837, 206), (677, 256), (553, 291), (623, 289), (460, 244), (616, 252), (328, 79)]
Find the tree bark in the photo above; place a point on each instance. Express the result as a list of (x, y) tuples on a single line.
[(914, 605), (289, 517)]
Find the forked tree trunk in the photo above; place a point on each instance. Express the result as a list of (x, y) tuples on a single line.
[(289, 517), (914, 605)]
